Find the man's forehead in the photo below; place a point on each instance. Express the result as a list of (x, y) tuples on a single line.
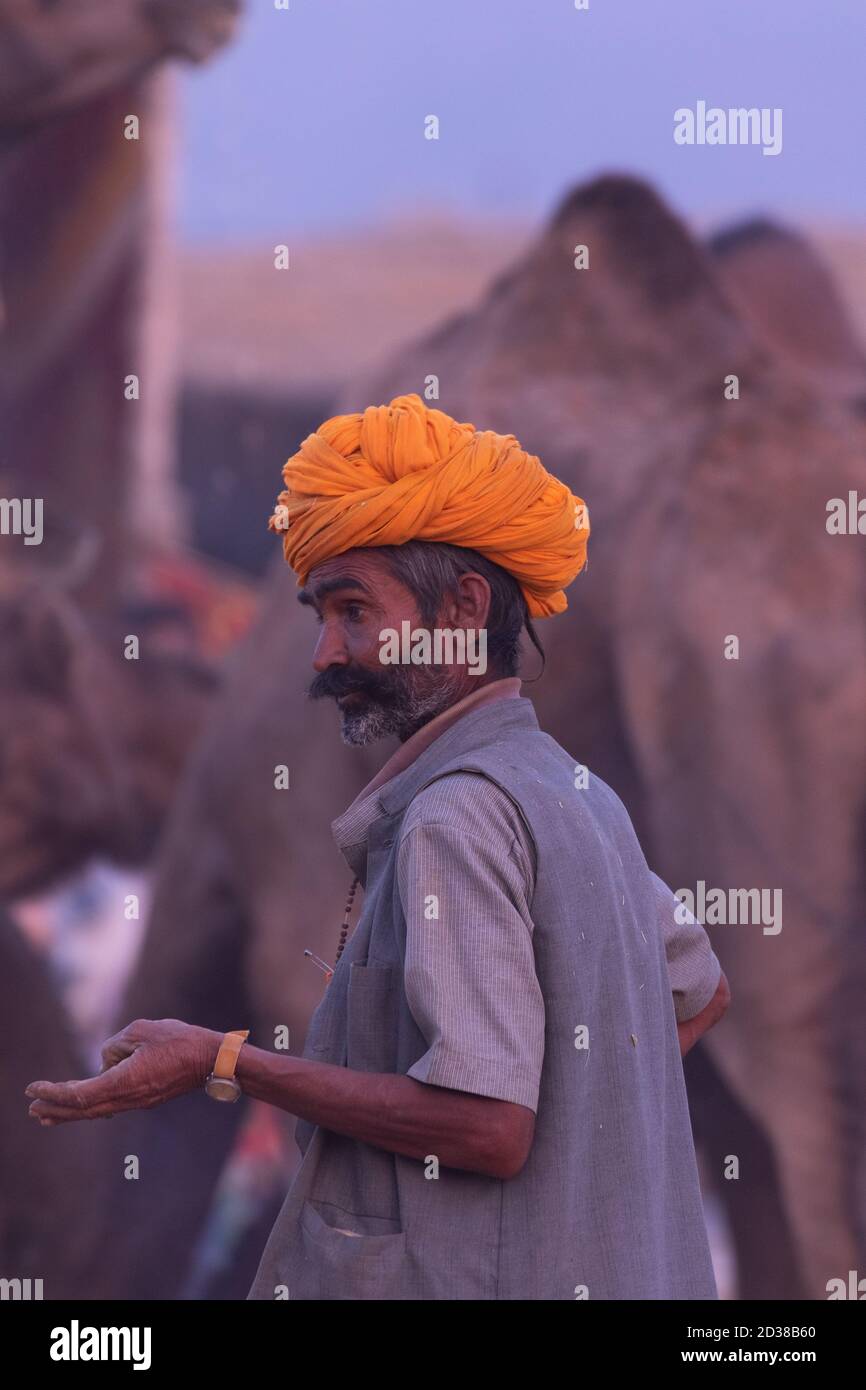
[(351, 571)]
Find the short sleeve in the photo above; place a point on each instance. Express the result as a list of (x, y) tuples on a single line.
[(693, 967), (470, 978)]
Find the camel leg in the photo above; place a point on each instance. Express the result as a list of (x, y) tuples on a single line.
[(47, 1196), (766, 1259)]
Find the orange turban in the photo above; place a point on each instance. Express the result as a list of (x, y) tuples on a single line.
[(402, 472)]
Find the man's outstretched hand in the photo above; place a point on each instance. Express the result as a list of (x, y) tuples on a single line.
[(148, 1062)]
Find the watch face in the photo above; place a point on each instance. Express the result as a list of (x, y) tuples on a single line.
[(222, 1088)]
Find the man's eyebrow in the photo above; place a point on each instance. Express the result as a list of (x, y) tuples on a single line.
[(311, 597)]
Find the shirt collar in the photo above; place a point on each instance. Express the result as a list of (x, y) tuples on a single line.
[(350, 830)]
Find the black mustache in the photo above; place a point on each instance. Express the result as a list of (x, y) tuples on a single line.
[(337, 681)]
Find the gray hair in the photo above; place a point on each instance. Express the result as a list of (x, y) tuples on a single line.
[(430, 570)]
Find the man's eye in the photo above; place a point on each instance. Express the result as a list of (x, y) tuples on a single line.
[(353, 611)]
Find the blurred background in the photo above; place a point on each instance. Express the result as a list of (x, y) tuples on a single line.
[(220, 224)]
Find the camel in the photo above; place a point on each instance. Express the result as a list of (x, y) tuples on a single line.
[(86, 300), (92, 750), (54, 59), (614, 375), (783, 288)]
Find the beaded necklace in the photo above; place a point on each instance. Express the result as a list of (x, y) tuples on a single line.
[(344, 932), (344, 929)]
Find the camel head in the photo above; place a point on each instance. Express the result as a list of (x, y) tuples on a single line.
[(91, 745), (64, 792)]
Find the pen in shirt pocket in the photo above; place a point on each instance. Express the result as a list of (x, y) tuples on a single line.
[(321, 964)]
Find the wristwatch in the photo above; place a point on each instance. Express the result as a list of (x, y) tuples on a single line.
[(221, 1084)]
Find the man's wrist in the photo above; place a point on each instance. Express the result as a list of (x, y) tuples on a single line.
[(211, 1043), (268, 1076)]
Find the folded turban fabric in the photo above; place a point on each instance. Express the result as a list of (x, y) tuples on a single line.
[(403, 472)]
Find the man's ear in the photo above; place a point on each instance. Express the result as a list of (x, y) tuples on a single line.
[(470, 605)]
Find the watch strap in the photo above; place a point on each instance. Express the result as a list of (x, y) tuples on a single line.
[(227, 1057)]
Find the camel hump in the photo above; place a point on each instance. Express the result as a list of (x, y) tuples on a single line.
[(633, 236), (647, 296), (781, 283), (616, 275)]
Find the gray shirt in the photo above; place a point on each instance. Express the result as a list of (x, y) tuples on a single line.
[(559, 998), (470, 979)]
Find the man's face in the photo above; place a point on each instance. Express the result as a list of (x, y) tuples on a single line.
[(355, 599)]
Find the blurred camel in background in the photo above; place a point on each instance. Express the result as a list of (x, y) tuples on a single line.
[(738, 773), (86, 353), (91, 745), (91, 750)]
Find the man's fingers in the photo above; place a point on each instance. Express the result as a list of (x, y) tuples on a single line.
[(74, 1100), (83, 1099), (48, 1114), (113, 1054), (118, 1047), (62, 1093)]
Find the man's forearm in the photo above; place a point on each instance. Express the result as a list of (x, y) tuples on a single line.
[(390, 1112)]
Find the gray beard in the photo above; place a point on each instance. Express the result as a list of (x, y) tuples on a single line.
[(421, 704)]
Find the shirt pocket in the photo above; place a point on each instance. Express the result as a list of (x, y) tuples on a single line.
[(325, 1033), (339, 1265), (372, 1018)]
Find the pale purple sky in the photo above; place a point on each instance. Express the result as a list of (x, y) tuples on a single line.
[(314, 120)]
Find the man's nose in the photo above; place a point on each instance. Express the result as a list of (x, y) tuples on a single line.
[(330, 649)]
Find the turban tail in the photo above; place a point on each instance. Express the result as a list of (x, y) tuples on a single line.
[(402, 472)]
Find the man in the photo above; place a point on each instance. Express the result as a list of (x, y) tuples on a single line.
[(491, 1101)]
